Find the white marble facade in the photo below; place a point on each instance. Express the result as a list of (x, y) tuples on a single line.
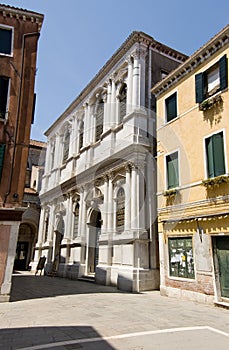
[(98, 191)]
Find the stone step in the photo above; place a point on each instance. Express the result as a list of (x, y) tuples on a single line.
[(222, 304), (85, 278)]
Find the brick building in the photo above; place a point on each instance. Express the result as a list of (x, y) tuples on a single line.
[(28, 230), (19, 33)]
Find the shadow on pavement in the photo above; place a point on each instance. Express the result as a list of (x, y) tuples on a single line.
[(26, 287), (69, 338)]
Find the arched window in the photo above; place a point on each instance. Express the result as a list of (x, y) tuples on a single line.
[(120, 212), (66, 145), (122, 99), (46, 226), (76, 221), (81, 131), (52, 155), (99, 120)]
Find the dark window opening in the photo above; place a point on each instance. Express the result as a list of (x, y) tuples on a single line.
[(4, 86), (5, 41), (171, 107), (2, 154)]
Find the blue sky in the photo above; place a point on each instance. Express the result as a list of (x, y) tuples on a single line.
[(79, 36)]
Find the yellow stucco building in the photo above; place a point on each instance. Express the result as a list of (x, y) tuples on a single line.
[(193, 175)]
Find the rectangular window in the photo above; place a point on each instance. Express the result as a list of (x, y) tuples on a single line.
[(171, 107), (215, 155), (5, 41), (172, 170), (181, 262), (4, 87), (212, 80), (2, 153)]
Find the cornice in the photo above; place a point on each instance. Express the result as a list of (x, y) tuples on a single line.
[(21, 14), (211, 47), (135, 37)]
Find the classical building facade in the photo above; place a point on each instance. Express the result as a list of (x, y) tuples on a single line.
[(98, 190), (19, 33), (193, 188)]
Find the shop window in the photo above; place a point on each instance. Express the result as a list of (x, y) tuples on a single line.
[(172, 170), (4, 88), (120, 213), (211, 81), (181, 262), (215, 155), (5, 41)]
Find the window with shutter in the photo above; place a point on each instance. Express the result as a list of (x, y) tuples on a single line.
[(215, 155), (212, 80), (171, 107), (5, 41), (4, 86), (172, 170)]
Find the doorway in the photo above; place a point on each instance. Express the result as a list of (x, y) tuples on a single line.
[(93, 241), (222, 252), (20, 262), (59, 234)]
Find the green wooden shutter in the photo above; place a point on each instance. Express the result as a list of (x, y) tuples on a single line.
[(171, 107), (172, 170), (2, 153), (223, 72), (218, 154), (199, 82), (215, 155), (210, 161)]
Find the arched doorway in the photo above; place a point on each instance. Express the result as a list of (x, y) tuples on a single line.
[(59, 234), (93, 241), (24, 250)]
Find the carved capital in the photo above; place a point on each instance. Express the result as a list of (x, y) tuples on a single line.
[(129, 60)]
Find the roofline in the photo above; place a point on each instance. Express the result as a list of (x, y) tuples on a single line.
[(199, 56), (15, 11), (134, 37)]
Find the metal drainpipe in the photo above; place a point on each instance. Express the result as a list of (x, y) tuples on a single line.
[(18, 112)]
